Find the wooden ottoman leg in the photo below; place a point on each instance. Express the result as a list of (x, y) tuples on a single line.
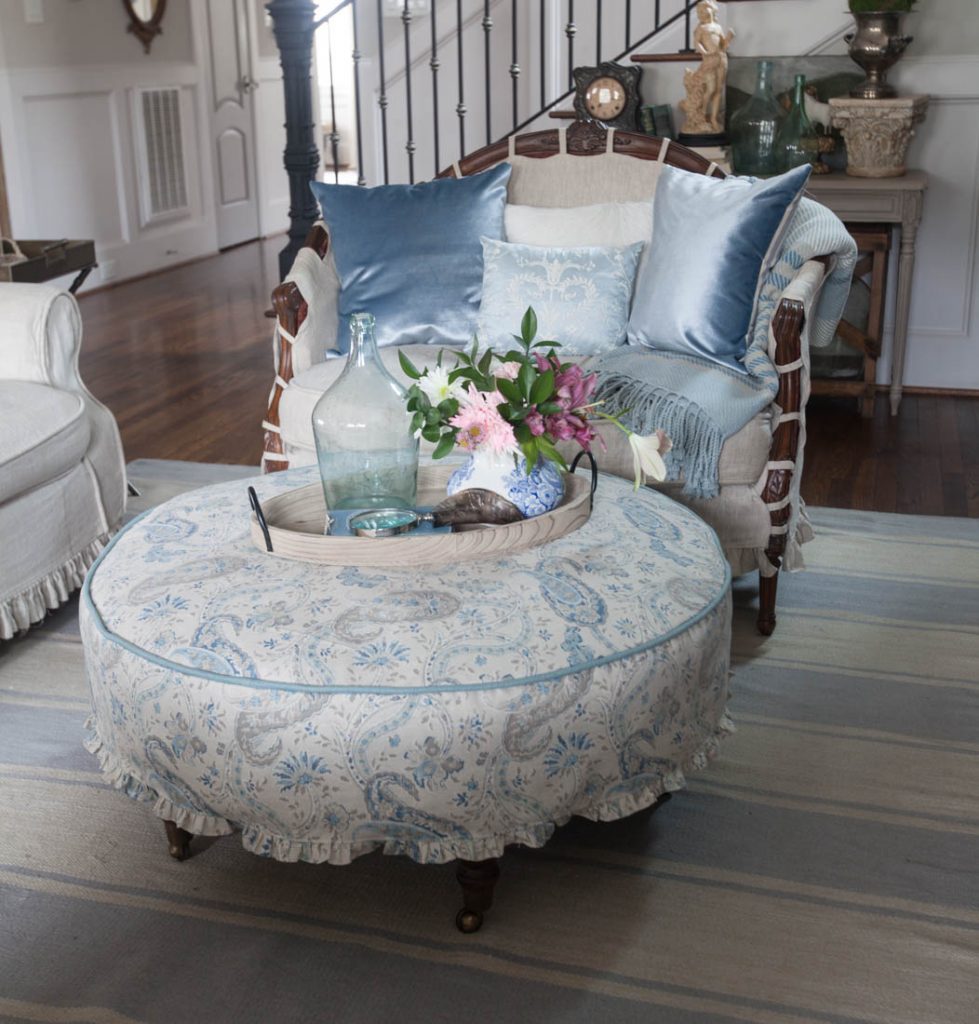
[(767, 589), (477, 879), (178, 840)]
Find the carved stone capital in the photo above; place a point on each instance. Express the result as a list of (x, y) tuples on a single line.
[(877, 133)]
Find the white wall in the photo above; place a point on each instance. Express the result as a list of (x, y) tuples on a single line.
[(67, 102)]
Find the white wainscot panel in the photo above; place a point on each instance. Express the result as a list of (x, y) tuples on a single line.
[(271, 139), (74, 179)]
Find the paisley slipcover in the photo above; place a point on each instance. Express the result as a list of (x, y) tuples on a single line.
[(439, 713)]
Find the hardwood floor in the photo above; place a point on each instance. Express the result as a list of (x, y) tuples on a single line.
[(184, 360)]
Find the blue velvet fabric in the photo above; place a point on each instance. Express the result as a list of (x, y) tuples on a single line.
[(411, 254), (712, 240)]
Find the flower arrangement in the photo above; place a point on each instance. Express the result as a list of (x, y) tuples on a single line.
[(522, 403)]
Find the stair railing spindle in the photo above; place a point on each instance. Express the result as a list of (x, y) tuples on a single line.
[(410, 144), (598, 32), (356, 57), (569, 31), (543, 51), (435, 64), (461, 105), (382, 99), (334, 134), (514, 66), (487, 28)]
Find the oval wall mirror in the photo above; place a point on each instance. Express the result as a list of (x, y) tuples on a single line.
[(144, 19)]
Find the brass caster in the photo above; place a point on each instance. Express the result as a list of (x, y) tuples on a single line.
[(469, 921)]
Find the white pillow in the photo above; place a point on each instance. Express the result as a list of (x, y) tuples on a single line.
[(603, 224)]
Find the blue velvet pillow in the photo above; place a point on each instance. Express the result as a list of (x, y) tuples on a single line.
[(411, 255), (713, 240), (581, 295)]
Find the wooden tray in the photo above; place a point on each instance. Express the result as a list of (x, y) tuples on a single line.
[(296, 520)]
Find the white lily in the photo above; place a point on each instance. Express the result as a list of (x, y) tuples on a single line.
[(647, 456), (437, 387)]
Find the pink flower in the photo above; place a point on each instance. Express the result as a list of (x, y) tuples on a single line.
[(508, 370), (535, 422), (480, 424)]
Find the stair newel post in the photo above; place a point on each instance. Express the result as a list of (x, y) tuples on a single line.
[(461, 105), (356, 57), (293, 26), (435, 64), (410, 144)]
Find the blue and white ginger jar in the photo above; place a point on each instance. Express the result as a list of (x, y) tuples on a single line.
[(535, 493)]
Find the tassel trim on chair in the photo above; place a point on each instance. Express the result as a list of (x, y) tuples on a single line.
[(30, 606)]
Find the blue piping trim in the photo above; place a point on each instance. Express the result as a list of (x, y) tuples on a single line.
[(271, 684)]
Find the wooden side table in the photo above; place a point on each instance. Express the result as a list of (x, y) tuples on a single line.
[(873, 245), (893, 201)]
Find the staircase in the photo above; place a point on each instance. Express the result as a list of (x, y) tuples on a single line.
[(435, 79)]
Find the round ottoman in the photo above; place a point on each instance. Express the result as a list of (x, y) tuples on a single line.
[(440, 713)]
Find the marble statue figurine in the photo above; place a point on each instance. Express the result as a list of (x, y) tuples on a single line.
[(704, 85)]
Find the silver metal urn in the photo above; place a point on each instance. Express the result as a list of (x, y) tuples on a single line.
[(876, 46)]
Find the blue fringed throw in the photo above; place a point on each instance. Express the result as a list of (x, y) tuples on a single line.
[(701, 404)]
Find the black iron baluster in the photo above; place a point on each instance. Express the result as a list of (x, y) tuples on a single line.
[(382, 99), (543, 52), (487, 28), (598, 32), (356, 56), (569, 31), (461, 105), (686, 27), (434, 64), (514, 66), (656, 19), (628, 23), (410, 144), (334, 134)]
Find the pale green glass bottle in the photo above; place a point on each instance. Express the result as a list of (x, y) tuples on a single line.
[(368, 454), (797, 142), (754, 126)]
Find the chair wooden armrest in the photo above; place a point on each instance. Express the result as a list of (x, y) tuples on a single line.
[(290, 308), (787, 327)]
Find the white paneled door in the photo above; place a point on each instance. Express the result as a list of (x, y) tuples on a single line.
[(232, 121)]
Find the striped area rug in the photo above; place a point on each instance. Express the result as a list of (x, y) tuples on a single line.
[(825, 868)]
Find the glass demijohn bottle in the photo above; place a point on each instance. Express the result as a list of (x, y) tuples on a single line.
[(368, 455), (754, 126), (797, 142)]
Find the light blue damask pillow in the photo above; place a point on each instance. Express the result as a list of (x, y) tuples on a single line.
[(411, 255), (714, 239), (581, 295)]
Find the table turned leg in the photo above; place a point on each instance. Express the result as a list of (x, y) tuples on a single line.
[(178, 840), (477, 879)]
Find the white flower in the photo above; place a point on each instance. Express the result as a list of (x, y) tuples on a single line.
[(647, 456), (509, 371), (436, 386)]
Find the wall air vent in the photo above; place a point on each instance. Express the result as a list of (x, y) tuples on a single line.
[(163, 176)]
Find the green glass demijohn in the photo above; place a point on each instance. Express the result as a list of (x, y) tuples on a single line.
[(754, 126), (797, 142), (368, 454)]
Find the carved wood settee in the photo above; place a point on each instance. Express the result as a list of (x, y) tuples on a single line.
[(757, 504)]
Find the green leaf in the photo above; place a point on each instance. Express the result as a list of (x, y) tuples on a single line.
[(431, 433), (448, 408), (522, 433), (416, 421), (543, 388), (484, 364), (525, 379), (509, 391), (516, 415), (549, 451), (530, 453), (548, 408), (528, 326), (445, 445), (407, 366), (546, 344)]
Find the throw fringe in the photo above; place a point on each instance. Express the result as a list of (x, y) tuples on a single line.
[(697, 439), (23, 610)]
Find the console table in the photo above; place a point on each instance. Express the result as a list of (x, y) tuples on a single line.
[(895, 201)]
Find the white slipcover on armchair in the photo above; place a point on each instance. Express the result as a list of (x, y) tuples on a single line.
[(62, 475)]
